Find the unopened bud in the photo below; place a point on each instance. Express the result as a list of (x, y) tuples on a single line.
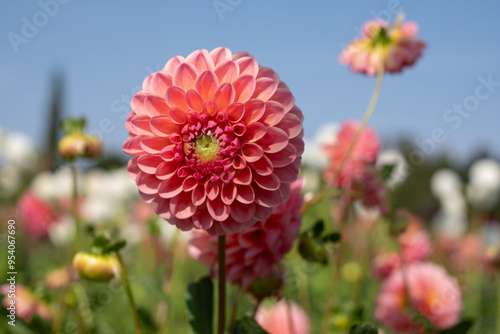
[(269, 286), (96, 267), (79, 145), (311, 250)]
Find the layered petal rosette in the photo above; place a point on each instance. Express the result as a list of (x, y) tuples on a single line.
[(216, 141), (253, 253)]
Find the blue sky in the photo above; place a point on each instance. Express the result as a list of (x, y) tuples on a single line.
[(107, 48)]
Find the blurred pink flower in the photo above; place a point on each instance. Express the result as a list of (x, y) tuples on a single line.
[(433, 294), (392, 48), (358, 173), (26, 305), (253, 253), (285, 317), (384, 264), (216, 141), (37, 215)]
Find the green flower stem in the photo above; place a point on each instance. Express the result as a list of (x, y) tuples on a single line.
[(222, 284), (129, 294), (74, 202)]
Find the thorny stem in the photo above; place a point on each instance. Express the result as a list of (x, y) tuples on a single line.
[(222, 284), (129, 294)]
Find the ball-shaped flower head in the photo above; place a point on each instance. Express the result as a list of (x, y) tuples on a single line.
[(391, 48), (216, 141), (433, 294), (253, 253), (37, 215)]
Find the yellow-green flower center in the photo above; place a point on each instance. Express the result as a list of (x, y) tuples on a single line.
[(206, 147)]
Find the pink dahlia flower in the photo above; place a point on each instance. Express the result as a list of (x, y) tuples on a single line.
[(285, 317), (37, 215), (391, 48), (358, 173), (433, 294), (216, 141), (26, 305), (253, 253)]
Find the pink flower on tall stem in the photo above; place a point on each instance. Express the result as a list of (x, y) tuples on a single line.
[(285, 317), (381, 46), (433, 294), (216, 141), (37, 215), (254, 252)]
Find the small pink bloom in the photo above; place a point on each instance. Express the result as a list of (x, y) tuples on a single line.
[(358, 173), (37, 215), (216, 141), (433, 294), (26, 305), (285, 317), (392, 48), (385, 264), (253, 253)]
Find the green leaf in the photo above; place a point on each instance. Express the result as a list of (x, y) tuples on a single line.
[(100, 242), (116, 246), (363, 329), (146, 318), (462, 327), (332, 237), (318, 228), (72, 125), (40, 325), (200, 305), (387, 171), (248, 325)]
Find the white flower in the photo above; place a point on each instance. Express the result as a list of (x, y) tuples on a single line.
[(10, 180), (55, 186), (99, 209), (483, 190), (314, 155), (401, 168), (63, 232), (445, 183), (19, 150)]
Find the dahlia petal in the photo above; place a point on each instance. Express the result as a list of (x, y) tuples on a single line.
[(267, 198), (227, 72), (140, 125), (266, 72), (246, 194), (177, 115), (148, 198), (235, 112), (212, 190), (189, 184), (274, 140), (297, 112), (285, 97), (264, 88), (210, 107), (218, 210), (244, 86), (146, 84), (254, 132), (185, 76), (201, 60), (254, 109), (137, 102), (239, 129), (289, 173), (239, 162), (251, 152), (263, 166), (166, 169), (147, 183), (149, 163), (162, 207), (198, 195), (162, 125), (268, 182), (133, 168), (194, 100), (154, 144), (274, 113), (262, 213), (285, 191), (202, 219), (176, 97), (241, 54), (170, 187), (128, 123), (243, 176), (207, 84), (298, 143), (132, 145), (181, 206), (242, 212), (160, 83), (291, 124), (248, 65), (229, 226), (228, 193), (224, 96), (284, 157), (173, 63), (220, 55)]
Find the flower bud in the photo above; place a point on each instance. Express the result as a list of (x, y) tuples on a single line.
[(79, 145), (269, 286), (311, 250), (101, 268)]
